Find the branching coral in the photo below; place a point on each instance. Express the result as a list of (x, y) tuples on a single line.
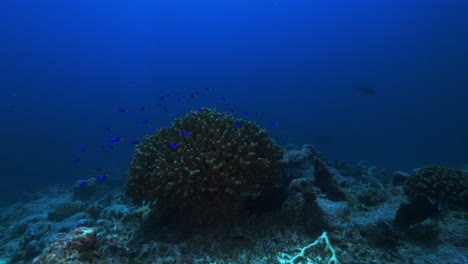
[(205, 159)]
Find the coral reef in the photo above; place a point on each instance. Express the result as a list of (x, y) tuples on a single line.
[(439, 185), (111, 229), (204, 160)]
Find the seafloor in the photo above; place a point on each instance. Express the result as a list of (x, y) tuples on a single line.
[(59, 225)]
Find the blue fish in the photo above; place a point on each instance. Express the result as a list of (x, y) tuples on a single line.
[(82, 182), (116, 139), (102, 178), (274, 123), (173, 145), (238, 126), (76, 160), (107, 128), (123, 110), (185, 133), (82, 150), (145, 121)]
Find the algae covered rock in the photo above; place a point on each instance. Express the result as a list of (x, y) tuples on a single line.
[(438, 184), (206, 159), (64, 210)]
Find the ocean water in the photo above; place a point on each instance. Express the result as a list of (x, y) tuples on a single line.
[(383, 81)]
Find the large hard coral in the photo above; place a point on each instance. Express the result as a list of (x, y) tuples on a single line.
[(206, 159), (438, 184)]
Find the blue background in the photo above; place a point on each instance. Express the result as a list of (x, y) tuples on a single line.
[(67, 66)]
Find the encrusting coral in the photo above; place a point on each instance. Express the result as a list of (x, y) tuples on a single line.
[(206, 159)]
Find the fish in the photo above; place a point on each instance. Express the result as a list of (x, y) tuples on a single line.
[(102, 178), (76, 160), (185, 133), (116, 139), (238, 126), (145, 121), (365, 90), (173, 145), (123, 110), (106, 128), (82, 150), (82, 182), (274, 123)]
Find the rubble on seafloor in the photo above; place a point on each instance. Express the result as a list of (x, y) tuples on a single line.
[(333, 212)]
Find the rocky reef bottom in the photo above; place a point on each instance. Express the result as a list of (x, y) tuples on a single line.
[(329, 212)]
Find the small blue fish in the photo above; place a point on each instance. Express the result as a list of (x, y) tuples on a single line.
[(238, 126), (145, 121), (102, 178), (82, 182), (123, 110), (110, 147), (82, 150), (274, 123), (76, 160), (107, 128), (185, 133), (116, 139), (163, 98), (173, 145)]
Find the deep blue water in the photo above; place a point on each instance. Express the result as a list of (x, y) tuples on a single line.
[(67, 66)]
